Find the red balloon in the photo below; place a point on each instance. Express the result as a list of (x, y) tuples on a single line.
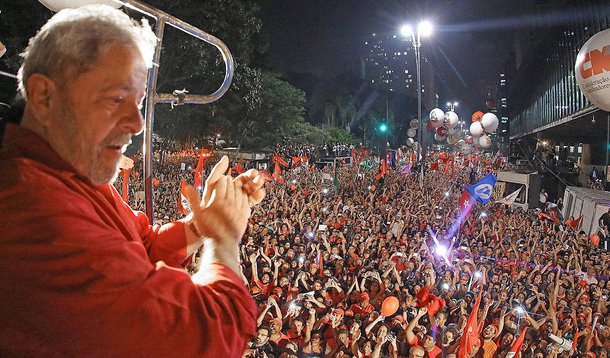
[(594, 239), (443, 156), (389, 306), (476, 116)]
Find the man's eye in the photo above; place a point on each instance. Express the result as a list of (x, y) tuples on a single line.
[(117, 100)]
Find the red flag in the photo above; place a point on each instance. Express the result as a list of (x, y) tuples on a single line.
[(280, 160), (574, 224), (277, 171), (296, 162), (183, 205), (470, 337), (304, 160), (430, 301), (516, 347), (383, 170), (125, 174), (413, 157), (320, 263), (238, 169), (199, 171), (466, 204), (155, 182)]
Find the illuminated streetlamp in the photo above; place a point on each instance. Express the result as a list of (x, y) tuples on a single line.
[(423, 29)]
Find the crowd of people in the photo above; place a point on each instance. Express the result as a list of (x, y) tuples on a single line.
[(321, 257)]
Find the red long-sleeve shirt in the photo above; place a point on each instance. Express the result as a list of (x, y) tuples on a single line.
[(80, 272)]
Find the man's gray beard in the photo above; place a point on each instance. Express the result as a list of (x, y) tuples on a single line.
[(115, 176)]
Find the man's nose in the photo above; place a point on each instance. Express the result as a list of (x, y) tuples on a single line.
[(131, 118)]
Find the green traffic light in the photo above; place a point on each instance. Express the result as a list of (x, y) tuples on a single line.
[(383, 127)]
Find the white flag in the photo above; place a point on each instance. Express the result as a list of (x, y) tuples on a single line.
[(510, 198)]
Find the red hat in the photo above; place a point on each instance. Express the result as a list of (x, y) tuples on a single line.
[(339, 312), (349, 313), (364, 296), (276, 320), (585, 297)]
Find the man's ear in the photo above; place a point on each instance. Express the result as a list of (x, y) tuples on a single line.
[(41, 92)]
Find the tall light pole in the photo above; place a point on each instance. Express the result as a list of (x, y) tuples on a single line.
[(424, 28)]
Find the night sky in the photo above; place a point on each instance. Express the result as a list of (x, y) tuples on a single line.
[(471, 42)]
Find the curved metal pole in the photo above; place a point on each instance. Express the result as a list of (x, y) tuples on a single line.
[(152, 98)]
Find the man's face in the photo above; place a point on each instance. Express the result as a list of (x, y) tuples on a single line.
[(96, 113), (448, 337), (416, 352), (428, 342), (262, 337), (507, 340), (489, 332)]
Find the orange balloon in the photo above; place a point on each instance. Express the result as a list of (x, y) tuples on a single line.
[(389, 306), (594, 239), (476, 116)]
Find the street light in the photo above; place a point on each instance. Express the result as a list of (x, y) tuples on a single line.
[(423, 29), (451, 106)]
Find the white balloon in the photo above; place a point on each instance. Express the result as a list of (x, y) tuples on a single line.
[(437, 117), (490, 122), (411, 132), (439, 137), (451, 119), (57, 5), (485, 141), (410, 141), (591, 71), (454, 130), (476, 129), (414, 124)]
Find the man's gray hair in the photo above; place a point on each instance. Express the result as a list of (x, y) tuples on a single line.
[(75, 38)]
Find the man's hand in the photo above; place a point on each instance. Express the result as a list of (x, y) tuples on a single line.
[(222, 215), (224, 211)]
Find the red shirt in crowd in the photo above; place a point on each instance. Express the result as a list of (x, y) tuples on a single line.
[(82, 273)]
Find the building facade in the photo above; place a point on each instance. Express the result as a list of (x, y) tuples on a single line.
[(548, 115), (389, 64)]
